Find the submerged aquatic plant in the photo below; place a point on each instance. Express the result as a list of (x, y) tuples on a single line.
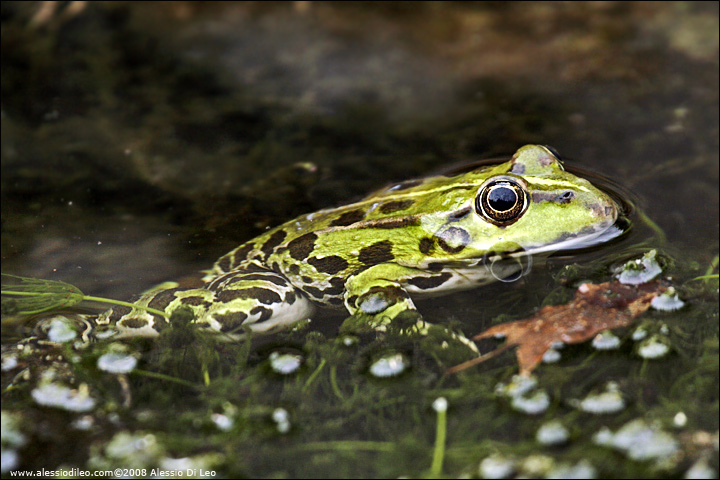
[(32, 296)]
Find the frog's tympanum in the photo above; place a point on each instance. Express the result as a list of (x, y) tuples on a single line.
[(414, 239)]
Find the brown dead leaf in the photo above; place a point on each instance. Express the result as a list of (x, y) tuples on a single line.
[(594, 309)]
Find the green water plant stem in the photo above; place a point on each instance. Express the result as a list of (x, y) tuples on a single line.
[(440, 406)]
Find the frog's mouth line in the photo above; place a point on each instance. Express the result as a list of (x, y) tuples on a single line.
[(581, 241)]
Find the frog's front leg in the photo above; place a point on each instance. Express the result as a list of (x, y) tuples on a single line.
[(371, 292)]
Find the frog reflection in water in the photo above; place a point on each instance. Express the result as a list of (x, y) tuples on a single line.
[(415, 239)]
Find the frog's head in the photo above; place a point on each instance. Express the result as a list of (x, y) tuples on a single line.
[(529, 204)]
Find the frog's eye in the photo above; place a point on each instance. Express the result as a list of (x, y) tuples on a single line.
[(502, 201)]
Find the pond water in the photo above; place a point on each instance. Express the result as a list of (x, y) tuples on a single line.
[(141, 141)]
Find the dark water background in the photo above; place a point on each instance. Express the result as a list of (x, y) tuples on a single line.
[(142, 141)]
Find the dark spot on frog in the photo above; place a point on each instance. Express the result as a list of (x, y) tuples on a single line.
[(453, 239), (163, 298), (269, 277), (348, 218), (517, 168), (195, 301), (313, 292), (289, 298), (331, 264), (225, 262), (427, 283), (230, 321), (160, 323), (265, 313), (272, 242), (460, 214), (388, 223), (338, 287), (426, 245), (335, 301), (239, 255), (395, 206), (263, 295), (307, 279), (302, 247), (249, 268), (377, 253), (133, 323), (117, 312), (294, 269), (435, 266)]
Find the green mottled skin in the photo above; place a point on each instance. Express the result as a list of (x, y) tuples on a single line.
[(422, 237)]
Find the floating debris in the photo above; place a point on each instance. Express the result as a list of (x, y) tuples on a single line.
[(524, 395), (680, 420), (535, 466), (281, 417), (226, 420), (552, 433), (701, 469), (496, 466), (440, 404), (638, 440), (61, 330), (640, 270), (10, 433), (532, 404), (639, 333), (582, 469), (200, 465), (285, 363), (390, 365), (606, 341), (131, 450), (9, 460), (223, 422), (551, 356), (654, 347), (9, 362), (519, 385), (667, 301), (117, 362), (349, 340), (83, 423), (609, 401), (60, 396), (12, 439)]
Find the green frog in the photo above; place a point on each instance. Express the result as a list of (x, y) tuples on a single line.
[(415, 239)]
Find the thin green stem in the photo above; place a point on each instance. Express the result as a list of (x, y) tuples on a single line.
[(162, 376), (125, 304), (334, 384), (440, 435), (349, 445), (314, 375)]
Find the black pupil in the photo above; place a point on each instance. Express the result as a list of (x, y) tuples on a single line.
[(502, 199)]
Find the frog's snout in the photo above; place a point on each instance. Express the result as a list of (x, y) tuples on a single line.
[(605, 208)]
